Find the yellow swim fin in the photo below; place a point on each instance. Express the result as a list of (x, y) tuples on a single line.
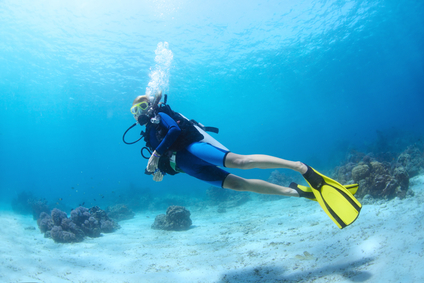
[(306, 192), (336, 201)]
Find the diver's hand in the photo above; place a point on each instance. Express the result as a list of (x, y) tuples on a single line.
[(158, 176), (152, 165)]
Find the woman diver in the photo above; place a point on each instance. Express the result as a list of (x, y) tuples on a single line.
[(179, 146)]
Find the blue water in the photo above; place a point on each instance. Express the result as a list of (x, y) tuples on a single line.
[(302, 80)]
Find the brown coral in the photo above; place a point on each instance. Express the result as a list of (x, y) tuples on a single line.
[(360, 172)]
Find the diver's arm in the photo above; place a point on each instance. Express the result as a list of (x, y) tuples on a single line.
[(173, 133), (153, 162)]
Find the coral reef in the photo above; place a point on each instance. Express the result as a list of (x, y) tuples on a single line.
[(61, 236), (344, 173), (380, 180), (83, 222), (119, 212), (413, 160), (27, 203), (45, 222), (177, 218), (384, 172), (377, 179)]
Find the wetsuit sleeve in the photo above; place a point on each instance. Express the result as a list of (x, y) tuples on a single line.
[(173, 132)]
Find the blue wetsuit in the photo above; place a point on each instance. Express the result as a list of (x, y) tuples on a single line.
[(200, 160)]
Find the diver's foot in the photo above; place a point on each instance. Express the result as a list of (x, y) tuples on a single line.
[(301, 191), (315, 180)]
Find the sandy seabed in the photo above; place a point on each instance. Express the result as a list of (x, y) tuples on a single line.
[(288, 240)]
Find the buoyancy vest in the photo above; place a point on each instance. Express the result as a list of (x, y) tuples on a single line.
[(189, 134)]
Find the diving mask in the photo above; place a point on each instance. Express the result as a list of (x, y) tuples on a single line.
[(139, 108)]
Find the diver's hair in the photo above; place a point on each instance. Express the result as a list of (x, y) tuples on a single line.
[(141, 98), (146, 98), (157, 98)]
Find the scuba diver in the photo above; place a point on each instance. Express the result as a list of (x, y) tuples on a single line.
[(178, 145)]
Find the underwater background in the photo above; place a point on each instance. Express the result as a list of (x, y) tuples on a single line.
[(338, 85), (301, 80)]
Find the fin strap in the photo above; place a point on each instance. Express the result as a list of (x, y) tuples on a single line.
[(315, 180), (302, 194)]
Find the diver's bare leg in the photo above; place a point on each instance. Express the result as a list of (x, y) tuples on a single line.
[(257, 186), (261, 161)]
